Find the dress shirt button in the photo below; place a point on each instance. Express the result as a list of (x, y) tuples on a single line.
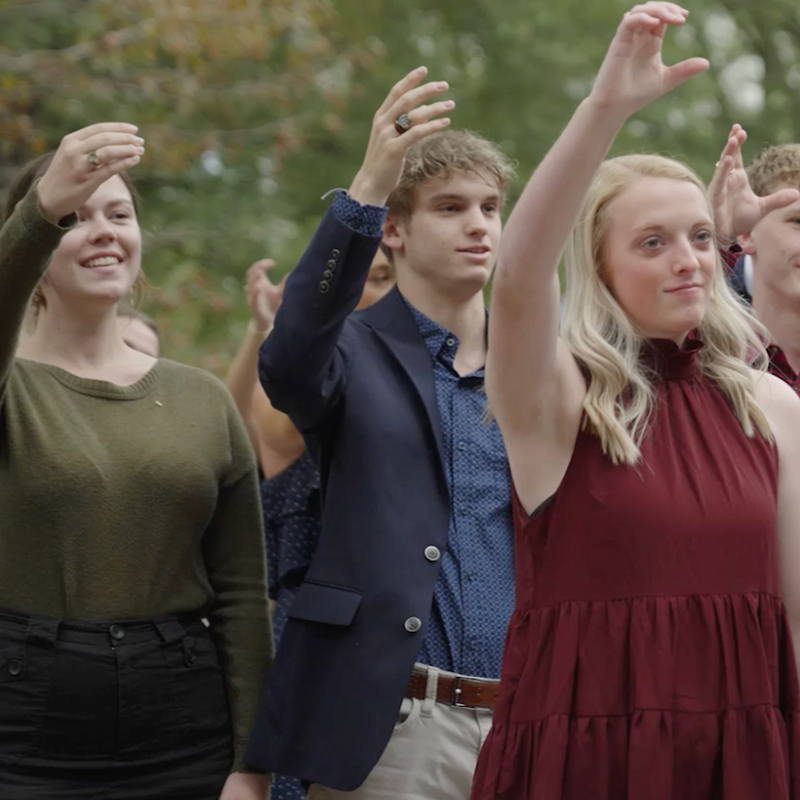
[(450, 342), (14, 667), (331, 265), (413, 624), (324, 286), (432, 553), (462, 445), (117, 632), (327, 275)]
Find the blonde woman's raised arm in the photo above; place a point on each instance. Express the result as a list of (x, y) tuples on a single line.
[(532, 380)]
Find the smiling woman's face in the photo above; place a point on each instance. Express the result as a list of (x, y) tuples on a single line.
[(659, 256), (100, 258)]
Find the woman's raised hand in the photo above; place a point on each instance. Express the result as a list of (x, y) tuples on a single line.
[(633, 74), (84, 160), (402, 110)]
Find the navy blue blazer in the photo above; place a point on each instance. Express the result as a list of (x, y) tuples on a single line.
[(360, 388)]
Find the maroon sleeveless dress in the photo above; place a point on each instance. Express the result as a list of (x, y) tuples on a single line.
[(649, 656)]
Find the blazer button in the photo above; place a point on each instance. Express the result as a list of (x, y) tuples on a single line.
[(117, 632), (335, 253), (432, 553), (413, 624), (331, 265), (14, 667), (327, 275), (324, 286)]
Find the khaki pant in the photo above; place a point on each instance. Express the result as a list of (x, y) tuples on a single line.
[(431, 756)]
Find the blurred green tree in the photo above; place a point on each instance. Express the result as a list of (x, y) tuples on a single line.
[(253, 108)]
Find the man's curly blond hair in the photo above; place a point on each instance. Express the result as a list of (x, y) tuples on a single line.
[(775, 168)]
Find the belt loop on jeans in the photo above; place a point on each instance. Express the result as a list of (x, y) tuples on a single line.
[(170, 630), (40, 631), (45, 629)]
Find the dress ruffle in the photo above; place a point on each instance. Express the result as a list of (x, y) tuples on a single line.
[(673, 698)]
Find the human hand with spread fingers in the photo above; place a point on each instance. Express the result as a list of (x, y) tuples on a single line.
[(632, 74), (737, 208), (263, 296), (84, 161), (401, 121)]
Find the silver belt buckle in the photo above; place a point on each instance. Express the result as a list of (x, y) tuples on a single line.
[(457, 693)]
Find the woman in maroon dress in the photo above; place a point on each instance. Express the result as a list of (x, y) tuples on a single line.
[(657, 507)]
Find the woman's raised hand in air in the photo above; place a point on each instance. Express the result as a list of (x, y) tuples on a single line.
[(633, 74), (84, 160)]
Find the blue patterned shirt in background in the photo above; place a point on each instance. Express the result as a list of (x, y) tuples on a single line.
[(291, 505), (474, 595)]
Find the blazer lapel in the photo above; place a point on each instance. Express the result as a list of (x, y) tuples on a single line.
[(395, 327)]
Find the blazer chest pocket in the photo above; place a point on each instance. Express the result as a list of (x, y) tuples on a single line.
[(321, 602)]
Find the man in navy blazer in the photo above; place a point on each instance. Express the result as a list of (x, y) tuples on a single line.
[(385, 678)]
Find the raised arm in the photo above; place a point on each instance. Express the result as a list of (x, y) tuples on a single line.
[(34, 230), (304, 362), (535, 388), (274, 438)]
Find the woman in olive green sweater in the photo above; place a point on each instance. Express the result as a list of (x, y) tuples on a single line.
[(130, 512)]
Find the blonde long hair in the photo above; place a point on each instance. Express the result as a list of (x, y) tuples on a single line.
[(620, 396)]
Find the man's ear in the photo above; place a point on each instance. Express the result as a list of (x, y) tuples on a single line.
[(391, 234), (747, 244)]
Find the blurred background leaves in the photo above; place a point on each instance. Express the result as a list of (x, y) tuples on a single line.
[(252, 109)]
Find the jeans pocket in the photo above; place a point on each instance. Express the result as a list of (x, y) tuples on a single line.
[(198, 682), (23, 693)]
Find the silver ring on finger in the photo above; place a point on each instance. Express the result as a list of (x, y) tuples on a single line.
[(93, 159), (402, 124)]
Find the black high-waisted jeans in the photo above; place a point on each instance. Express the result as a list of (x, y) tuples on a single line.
[(125, 710)]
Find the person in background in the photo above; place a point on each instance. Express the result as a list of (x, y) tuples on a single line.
[(757, 214), (138, 330), (129, 499), (650, 653), (276, 441), (290, 489)]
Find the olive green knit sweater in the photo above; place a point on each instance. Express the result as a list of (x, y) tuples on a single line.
[(126, 502)]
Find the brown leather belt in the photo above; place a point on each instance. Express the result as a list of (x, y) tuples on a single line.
[(455, 690)]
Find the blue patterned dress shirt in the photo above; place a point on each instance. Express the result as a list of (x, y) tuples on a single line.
[(474, 595)]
